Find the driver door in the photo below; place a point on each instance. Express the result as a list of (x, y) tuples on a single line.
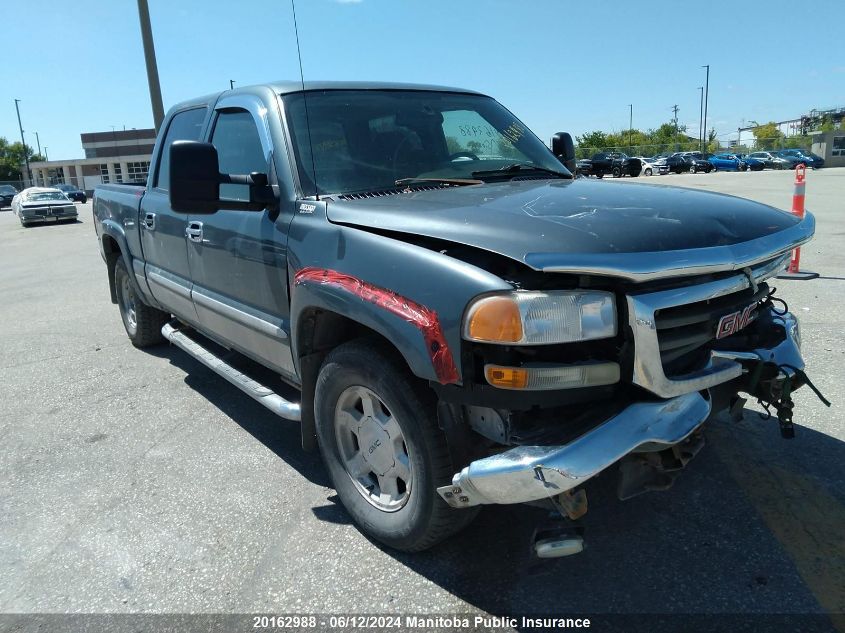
[(238, 258)]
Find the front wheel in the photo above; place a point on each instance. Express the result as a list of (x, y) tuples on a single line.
[(380, 441), (648, 171), (616, 172), (693, 170)]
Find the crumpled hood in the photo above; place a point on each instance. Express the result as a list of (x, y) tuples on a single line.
[(531, 220)]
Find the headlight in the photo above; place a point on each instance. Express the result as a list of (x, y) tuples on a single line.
[(541, 318)]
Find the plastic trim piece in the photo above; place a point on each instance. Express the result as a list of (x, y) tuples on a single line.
[(423, 318)]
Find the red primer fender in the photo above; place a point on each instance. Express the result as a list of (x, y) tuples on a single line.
[(425, 319)]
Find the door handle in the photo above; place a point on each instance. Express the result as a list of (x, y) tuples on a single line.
[(194, 231), (149, 221)]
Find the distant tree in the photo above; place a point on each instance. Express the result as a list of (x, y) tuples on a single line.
[(593, 140), (507, 149), (12, 158), (768, 136)]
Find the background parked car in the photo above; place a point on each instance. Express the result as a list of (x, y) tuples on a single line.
[(727, 162), (808, 158), (679, 163), (753, 164), (43, 204), (584, 167), (615, 163), (73, 193), (652, 167), (772, 161), (7, 192)]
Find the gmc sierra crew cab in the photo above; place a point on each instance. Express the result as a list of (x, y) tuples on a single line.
[(464, 322)]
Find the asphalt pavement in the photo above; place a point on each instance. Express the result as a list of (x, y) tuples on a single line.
[(139, 481)]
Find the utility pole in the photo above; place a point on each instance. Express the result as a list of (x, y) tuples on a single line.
[(630, 123), (150, 60), (231, 84), (701, 120), (38, 141), (45, 153), (25, 153), (675, 120), (706, 100)]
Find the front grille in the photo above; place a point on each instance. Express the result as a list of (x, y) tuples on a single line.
[(685, 333)]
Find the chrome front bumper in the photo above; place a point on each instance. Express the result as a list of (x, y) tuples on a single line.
[(529, 473)]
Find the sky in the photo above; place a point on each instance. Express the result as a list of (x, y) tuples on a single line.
[(78, 65)]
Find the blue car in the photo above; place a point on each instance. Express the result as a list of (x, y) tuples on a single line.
[(727, 162), (808, 158)]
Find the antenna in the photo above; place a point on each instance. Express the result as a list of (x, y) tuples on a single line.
[(305, 100)]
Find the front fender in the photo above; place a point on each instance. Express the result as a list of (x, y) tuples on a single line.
[(413, 296)]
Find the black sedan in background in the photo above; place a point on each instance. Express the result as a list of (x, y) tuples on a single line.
[(679, 163), (7, 192), (616, 164), (73, 193)]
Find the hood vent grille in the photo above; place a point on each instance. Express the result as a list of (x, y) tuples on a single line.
[(391, 192)]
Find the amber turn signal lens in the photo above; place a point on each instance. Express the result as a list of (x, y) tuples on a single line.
[(495, 319), (506, 377)]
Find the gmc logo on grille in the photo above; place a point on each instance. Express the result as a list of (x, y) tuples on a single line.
[(735, 321)]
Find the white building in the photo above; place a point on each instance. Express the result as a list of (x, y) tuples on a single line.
[(116, 156)]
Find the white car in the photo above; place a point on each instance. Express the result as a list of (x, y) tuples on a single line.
[(653, 167), (43, 204)]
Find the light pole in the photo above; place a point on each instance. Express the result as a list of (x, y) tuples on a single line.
[(38, 142), (45, 153), (25, 153), (706, 101), (150, 60), (630, 123), (700, 119), (231, 84)]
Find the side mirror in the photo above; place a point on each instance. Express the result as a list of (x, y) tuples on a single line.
[(194, 177), (195, 180), (564, 149)]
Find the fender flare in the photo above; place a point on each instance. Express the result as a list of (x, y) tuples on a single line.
[(413, 329), (115, 231)]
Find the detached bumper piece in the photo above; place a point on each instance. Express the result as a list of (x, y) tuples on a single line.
[(530, 473)]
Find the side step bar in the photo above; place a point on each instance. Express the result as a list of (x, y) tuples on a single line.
[(255, 390)]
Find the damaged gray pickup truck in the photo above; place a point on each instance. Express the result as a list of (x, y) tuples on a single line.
[(463, 321)]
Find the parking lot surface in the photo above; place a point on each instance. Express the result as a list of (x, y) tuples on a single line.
[(139, 481)]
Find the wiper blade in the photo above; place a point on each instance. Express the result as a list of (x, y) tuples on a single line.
[(517, 167), (403, 182)]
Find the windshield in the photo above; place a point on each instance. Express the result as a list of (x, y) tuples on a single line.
[(40, 196), (366, 140), (7, 189), (66, 187)]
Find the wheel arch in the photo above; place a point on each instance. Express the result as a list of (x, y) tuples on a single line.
[(319, 330)]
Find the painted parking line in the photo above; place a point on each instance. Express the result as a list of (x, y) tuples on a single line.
[(808, 521)]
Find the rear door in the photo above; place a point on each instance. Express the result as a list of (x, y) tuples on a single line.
[(238, 259), (163, 237)]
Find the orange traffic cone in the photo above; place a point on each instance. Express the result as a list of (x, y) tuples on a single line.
[(793, 271)]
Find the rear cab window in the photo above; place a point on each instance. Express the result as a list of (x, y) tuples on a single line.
[(184, 126)]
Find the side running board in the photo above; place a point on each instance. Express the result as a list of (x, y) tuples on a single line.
[(255, 390)]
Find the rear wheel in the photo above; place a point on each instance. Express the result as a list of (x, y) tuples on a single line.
[(383, 449), (142, 323), (693, 170)]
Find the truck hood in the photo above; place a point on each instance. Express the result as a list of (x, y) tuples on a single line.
[(636, 231)]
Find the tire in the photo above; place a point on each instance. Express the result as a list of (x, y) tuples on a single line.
[(693, 170), (648, 171), (599, 176), (400, 507), (616, 172), (142, 323)]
